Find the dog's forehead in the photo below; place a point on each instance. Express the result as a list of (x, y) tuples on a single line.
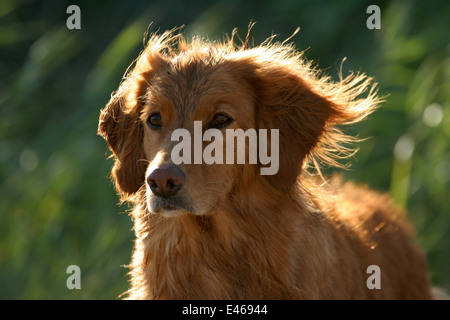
[(190, 79), (191, 82)]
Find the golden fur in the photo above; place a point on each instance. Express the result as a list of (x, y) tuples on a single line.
[(250, 236)]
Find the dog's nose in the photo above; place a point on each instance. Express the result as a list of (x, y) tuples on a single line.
[(165, 181)]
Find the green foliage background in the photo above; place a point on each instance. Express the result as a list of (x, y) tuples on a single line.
[(57, 206)]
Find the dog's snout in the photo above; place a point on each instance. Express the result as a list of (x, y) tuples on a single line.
[(165, 181)]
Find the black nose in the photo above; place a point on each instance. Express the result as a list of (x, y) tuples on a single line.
[(166, 180)]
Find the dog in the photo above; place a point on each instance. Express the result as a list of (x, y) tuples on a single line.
[(225, 230)]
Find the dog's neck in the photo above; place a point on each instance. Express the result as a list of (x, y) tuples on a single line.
[(188, 252)]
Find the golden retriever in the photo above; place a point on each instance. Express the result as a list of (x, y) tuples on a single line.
[(224, 230)]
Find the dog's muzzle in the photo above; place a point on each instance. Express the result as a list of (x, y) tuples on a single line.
[(165, 182)]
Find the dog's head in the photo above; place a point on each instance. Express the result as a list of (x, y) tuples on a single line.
[(168, 123)]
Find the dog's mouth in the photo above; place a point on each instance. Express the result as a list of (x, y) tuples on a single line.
[(169, 206)]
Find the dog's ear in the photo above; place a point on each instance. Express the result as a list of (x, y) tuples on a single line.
[(286, 103), (120, 123), (306, 108)]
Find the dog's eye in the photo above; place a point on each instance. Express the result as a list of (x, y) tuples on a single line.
[(220, 120), (155, 121)]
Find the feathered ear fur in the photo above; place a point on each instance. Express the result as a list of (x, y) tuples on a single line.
[(120, 123), (120, 127), (305, 106)]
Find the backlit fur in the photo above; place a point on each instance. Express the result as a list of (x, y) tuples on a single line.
[(248, 236)]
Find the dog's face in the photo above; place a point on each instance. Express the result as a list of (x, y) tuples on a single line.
[(176, 99), (205, 89)]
